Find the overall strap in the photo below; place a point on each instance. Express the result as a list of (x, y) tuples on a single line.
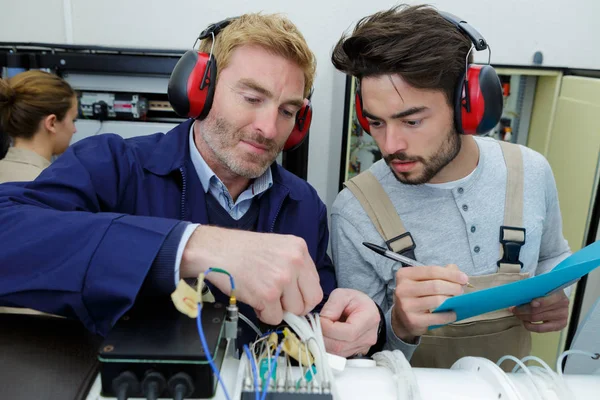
[(512, 233), (378, 206)]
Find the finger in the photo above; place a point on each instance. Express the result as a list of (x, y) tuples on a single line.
[(430, 288), (349, 348), (553, 315), (335, 306), (291, 299), (310, 287), (270, 313), (428, 273), (358, 323), (550, 326), (530, 308), (558, 298), (442, 318), (341, 331), (422, 304)]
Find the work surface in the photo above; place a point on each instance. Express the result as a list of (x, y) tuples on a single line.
[(474, 379), (29, 369)]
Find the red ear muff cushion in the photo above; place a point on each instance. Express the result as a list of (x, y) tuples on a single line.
[(187, 95), (359, 114), (485, 95), (301, 127), (491, 91)]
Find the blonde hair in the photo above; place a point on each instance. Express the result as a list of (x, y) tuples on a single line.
[(273, 32)]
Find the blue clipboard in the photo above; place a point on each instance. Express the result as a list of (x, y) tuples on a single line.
[(522, 292)]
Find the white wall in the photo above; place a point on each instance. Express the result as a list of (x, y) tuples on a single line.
[(567, 35)]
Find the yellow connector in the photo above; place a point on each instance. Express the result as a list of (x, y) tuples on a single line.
[(200, 285), (296, 349), (273, 340), (186, 299)]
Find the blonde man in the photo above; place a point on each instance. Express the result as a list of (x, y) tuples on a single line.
[(126, 215)]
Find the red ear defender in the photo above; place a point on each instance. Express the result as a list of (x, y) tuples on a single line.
[(192, 85), (478, 104), (301, 127), (193, 80), (478, 95), (359, 113)]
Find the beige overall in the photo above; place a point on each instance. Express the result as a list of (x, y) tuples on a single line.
[(490, 335)]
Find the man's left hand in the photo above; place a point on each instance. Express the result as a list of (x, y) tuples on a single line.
[(545, 314), (349, 321)]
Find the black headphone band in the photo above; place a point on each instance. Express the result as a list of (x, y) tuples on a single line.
[(476, 37), (215, 28)]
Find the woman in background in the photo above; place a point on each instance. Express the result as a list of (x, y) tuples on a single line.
[(38, 111)]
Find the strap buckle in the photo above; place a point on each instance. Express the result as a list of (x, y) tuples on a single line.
[(512, 239), (388, 243)]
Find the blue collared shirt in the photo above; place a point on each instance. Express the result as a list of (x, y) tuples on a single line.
[(211, 183)]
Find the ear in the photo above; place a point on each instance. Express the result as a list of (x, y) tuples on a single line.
[(49, 123)]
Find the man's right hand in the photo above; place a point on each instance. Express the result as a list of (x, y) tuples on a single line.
[(273, 273), (420, 290)]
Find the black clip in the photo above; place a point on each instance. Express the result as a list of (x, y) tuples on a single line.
[(511, 249), (388, 243), (215, 28)]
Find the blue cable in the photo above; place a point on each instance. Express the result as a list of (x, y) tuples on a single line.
[(254, 371), (207, 352), (264, 393)]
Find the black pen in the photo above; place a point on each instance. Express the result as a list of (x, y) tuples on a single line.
[(396, 257), (393, 256)]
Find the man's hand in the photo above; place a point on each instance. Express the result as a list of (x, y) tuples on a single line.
[(545, 314), (273, 273), (420, 290), (349, 321)]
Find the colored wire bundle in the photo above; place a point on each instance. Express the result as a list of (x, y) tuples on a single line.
[(254, 371), (267, 380), (201, 330), (207, 351)]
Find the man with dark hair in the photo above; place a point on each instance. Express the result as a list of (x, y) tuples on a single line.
[(441, 195)]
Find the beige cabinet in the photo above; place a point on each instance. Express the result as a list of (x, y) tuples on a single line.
[(565, 127)]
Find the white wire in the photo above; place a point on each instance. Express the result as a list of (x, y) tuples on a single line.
[(318, 336), (532, 358), (553, 382), (299, 325), (316, 321), (289, 373), (304, 331), (239, 387), (310, 370), (261, 340), (268, 361), (250, 324), (550, 377), (566, 353), (406, 381), (320, 377), (301, 364), (525, 370), (321, 339)]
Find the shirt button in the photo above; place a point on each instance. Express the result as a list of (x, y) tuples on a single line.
[(460, 190), (473, 229), (465, 207), (476, 249)]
